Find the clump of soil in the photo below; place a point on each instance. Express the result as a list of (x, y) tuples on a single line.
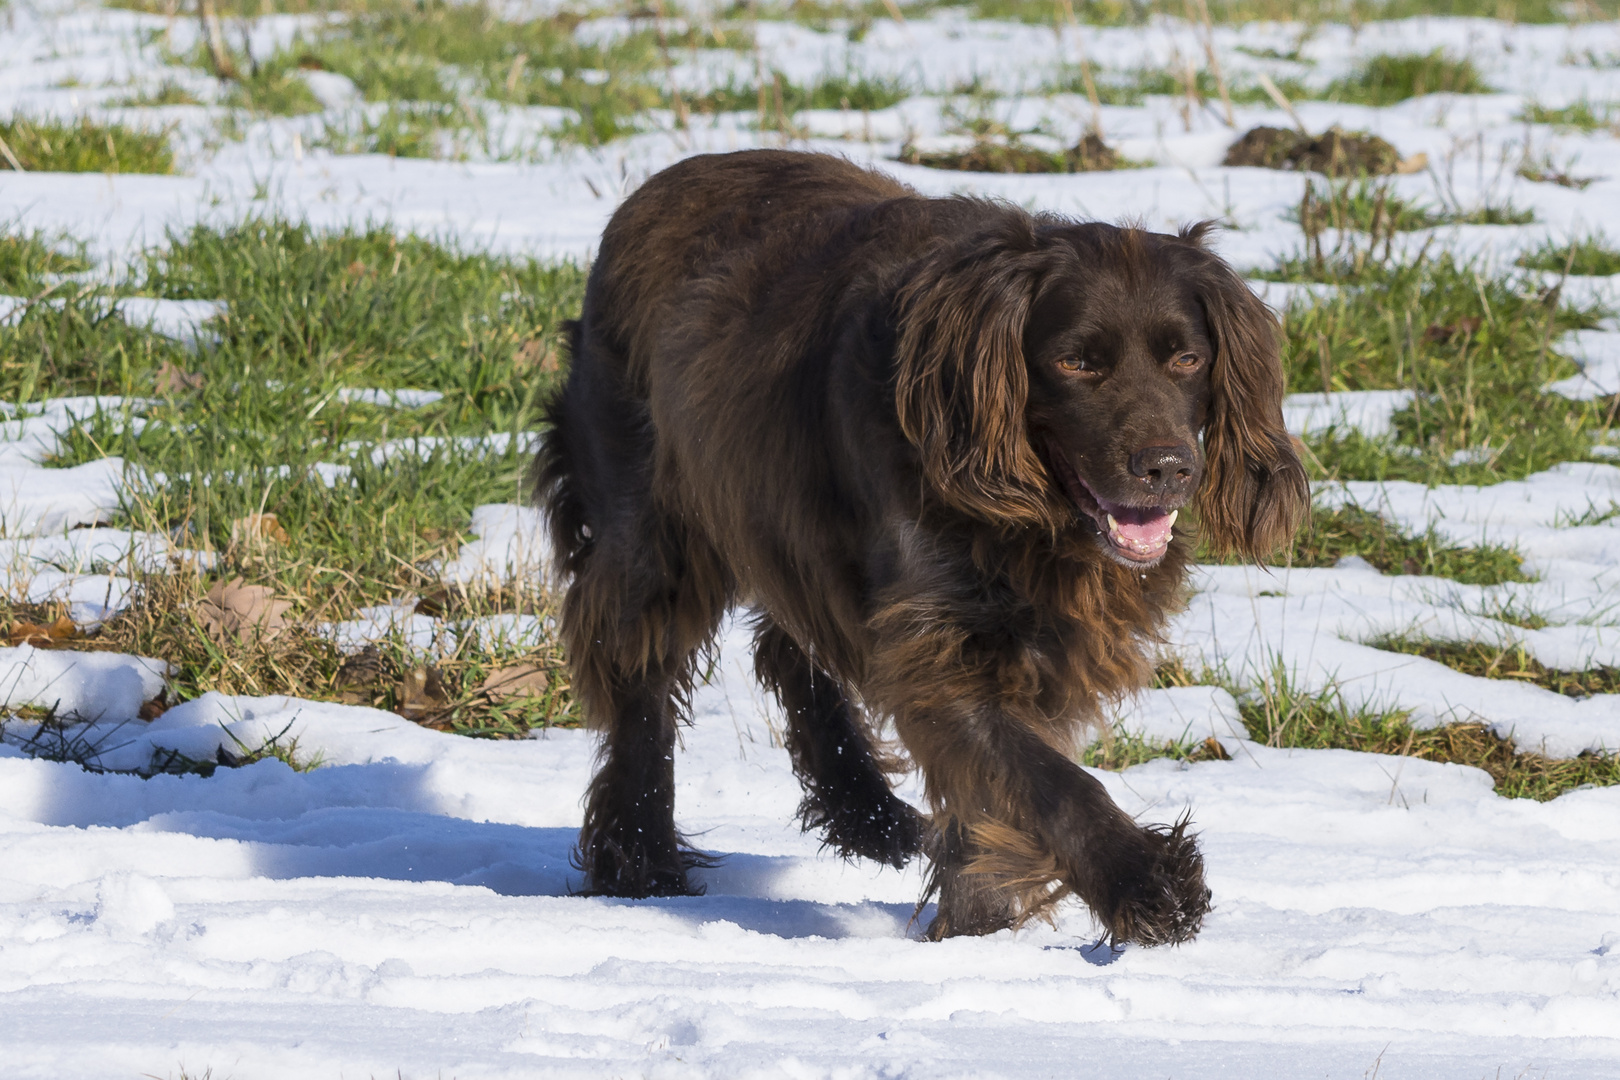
[(1334, 152), (1090, 154)]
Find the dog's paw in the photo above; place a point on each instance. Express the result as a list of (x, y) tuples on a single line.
[(611, 869), (891, 832), (1162, 900)]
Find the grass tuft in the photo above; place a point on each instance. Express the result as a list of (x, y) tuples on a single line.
[(28, 261), (48, 145), (1594, 255), (1331, 535), (1372, 206), (1581, 115), (1476, 349), (1277, 713), (1388, 78), (167, 93), (1509, 661), (246, 424)]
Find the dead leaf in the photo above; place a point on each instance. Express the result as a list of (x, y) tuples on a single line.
[(537, 355), (258, 529), (172, 380), (421, 693), (151, 710), (54, 636), (247, 613), (1213, 747), (1467, 326), (364, 668), (1414, 164), (434, 604), (517, 681), (360, 677)]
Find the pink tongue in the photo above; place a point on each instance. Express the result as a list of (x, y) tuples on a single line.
[(1141, 527)]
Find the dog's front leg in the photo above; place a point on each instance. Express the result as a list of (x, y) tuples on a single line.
[(1018, 824)]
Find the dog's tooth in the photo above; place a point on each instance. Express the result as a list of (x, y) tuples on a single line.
[(1113, 526), (1172, 522)]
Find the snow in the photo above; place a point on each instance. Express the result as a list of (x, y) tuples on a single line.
[(394, 399), (1370, 412), (1598, 354), (406, 908), (182, 320)]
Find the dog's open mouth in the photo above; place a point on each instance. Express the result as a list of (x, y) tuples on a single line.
[(1138, 534)]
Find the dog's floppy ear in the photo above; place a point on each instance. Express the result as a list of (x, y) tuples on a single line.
[(961, 386), (1254, 491)]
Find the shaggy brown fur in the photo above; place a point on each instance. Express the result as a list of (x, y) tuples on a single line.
[(935, 445)]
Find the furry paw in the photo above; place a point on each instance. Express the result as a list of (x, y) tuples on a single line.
[(1163, 900), (635, 873), (891, 832)]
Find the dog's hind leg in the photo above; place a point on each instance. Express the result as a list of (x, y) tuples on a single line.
[(645, 597), (846, 796)]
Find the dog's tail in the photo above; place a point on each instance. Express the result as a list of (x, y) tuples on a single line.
[(553, 478)]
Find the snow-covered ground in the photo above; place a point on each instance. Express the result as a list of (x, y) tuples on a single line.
[(405, 908)]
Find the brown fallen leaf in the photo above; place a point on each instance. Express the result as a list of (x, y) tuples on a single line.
[(434, 604), (1414, 164), (151, 710), (1467, 326), (360, 678), (54, 636), (172, 380), (516, 681), (421, 693), (258, 529), (247, 613), (537, 355), (1213, 747), (364, 668)]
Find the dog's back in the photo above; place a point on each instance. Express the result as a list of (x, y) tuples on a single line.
[(680, 226)]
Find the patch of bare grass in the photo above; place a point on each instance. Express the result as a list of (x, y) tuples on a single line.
[(1506, 661), (1280, 714)]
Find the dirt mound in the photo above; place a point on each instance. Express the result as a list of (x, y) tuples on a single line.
[(1090, 154), (1334, 152)]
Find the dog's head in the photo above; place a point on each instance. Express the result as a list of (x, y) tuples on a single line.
[(1050, 372)]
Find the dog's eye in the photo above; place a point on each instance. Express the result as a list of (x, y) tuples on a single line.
[(1187, 362), (1073, 363)]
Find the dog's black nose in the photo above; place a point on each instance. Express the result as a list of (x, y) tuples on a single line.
[(1166, 470)]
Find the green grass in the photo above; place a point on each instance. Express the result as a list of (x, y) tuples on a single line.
[(1330, 535), (857, 18), (413, 55), (408, 131), (1594, 255), (782, 98), (29, 260), (1278, 713), (1390, 78), (432, 60), (47, 145), (1371, 206), (1509, 661), (1131, 87), (1476, 348), (311, 314), (1583, 115), (168, 92), (273, 88)]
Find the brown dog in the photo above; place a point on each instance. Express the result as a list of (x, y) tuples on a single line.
[(939, 447)]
